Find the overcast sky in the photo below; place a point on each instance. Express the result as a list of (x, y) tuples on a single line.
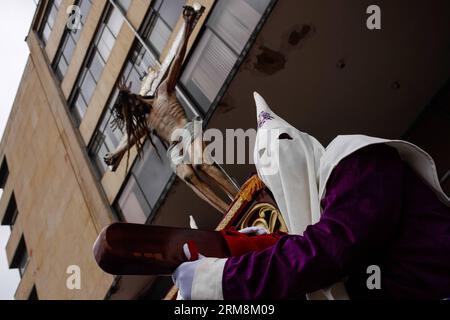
[(15, 21)]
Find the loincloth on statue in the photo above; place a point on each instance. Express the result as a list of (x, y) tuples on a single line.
[(176, 152)]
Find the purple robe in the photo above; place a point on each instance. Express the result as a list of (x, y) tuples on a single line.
[(376, 211)]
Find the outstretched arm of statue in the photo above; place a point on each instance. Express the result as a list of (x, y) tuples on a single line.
[(191, 16), (114, 158)]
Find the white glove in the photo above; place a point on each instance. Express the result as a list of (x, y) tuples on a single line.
[(183, 276), (256, 231)]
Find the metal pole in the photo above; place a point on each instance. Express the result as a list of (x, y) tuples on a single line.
[(136, 34)]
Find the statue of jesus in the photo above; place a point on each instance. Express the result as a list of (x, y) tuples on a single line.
[(140, 116)]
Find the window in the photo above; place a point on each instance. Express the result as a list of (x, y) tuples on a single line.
[(227, 32), (33, 294), (96, 60), (4, 173), (148, 180), (165, 14), (50, 17), (69, 42), (11, 213), (20, 259), (124, 4)]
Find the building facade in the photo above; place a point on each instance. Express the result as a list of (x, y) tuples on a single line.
[(315, 61)]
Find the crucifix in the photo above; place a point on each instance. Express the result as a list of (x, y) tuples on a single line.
[(161, 115)]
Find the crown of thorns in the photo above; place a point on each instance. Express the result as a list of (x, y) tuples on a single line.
[(122, 85)]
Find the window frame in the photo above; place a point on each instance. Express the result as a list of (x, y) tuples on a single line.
[(67, 36), (4, 173), (233, 72), (87, 63), (48, 10), (11, 212), (21, 257), (445, 178)]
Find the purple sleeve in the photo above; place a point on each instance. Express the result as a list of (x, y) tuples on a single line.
[(360, 212)]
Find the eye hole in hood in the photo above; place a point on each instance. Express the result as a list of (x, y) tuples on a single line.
[(285, 136), (261, 152)]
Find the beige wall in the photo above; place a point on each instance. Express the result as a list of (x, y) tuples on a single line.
[(54, 216)]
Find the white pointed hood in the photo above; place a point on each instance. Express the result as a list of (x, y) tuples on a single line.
[(287, 161)]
